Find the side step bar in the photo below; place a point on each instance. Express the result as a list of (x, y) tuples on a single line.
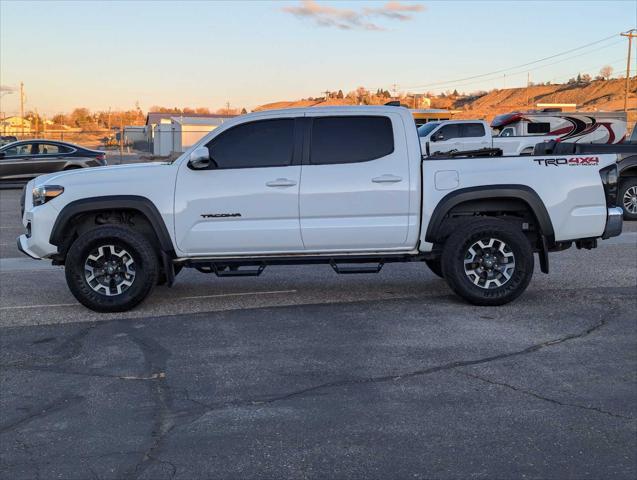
[(342, 264), (342, 270)]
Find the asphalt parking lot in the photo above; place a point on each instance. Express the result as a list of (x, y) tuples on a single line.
[(302, 373)]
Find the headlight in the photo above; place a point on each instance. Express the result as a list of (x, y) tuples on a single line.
[(43, 194)]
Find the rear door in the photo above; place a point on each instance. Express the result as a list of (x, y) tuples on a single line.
[(354, 183), (474, 136), (51, 157)]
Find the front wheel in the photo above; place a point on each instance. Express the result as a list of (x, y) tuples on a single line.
[(488, 262), (628, 197), (111, 268)]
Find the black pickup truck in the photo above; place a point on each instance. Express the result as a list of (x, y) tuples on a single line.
[(627, 163)]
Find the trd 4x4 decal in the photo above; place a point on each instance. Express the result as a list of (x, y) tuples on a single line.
[(556, 162)]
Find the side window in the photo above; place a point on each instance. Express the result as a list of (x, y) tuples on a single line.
[(11, 151), (472, 130), (262, 143), (449, 131), (507, 132), (538, 128), (350, 139), (24, 149), (49, 149)]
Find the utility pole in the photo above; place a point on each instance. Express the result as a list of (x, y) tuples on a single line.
[(109, 119), (528, 85), (630, 34), (22, 108), (327, 94)]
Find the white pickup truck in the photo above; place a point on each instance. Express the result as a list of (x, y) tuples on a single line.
[(469, 135), (345, 186)]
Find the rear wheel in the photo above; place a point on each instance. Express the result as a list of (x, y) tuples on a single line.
[(628, 197), (111, 268), (488, 262)]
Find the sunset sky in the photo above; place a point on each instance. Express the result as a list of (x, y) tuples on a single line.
[(100, 54)]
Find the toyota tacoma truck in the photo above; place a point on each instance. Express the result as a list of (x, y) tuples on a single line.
[(344, 186)]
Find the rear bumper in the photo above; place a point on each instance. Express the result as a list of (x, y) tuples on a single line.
[(614, 223)]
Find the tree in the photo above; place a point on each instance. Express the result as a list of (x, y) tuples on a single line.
[(586, 78), (339, 94), (606, 72)]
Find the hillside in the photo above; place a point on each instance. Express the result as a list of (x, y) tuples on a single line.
[(604, 95)]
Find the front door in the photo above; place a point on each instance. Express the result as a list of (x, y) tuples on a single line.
[(18, 161), (446, 139), (355, 184), (248, 201)]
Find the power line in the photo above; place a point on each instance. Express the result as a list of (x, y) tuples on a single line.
[(517, 66)]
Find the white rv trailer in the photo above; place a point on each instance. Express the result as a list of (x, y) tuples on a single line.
[(575, 127)]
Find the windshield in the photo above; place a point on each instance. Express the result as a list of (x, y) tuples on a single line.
[(427, 128)]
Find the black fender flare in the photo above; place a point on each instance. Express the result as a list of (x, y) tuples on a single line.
[(522, 192), (627, 163), (113, 202)]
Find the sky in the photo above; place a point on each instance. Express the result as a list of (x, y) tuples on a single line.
[(99, 54)]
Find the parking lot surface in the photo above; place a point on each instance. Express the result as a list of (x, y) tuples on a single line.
[(302, 373)]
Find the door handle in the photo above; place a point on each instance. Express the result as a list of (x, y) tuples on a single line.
[(281, 182), (387, 179)]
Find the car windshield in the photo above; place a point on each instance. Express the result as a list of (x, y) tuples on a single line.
[(427, 128)]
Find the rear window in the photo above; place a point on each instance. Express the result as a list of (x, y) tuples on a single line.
[(473, 130), (350, 139)]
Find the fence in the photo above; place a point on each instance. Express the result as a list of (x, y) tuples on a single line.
[(135, 146)]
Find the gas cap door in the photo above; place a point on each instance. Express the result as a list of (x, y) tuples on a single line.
[(446, 179)]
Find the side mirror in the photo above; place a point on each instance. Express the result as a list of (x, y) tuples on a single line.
[(199, 159), (437, 137), (2, 154)]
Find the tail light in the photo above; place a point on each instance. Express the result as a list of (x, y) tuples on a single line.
[(609, 176)]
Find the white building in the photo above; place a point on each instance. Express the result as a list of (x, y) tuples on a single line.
[(189, 130), (173, 133)]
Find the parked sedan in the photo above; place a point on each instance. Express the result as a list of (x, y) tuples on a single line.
[(29, 158)]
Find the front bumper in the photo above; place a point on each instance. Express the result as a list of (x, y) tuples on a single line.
[(614, 222), (24, 247)]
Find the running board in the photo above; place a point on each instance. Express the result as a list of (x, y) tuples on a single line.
[(232, 270), (341, 270)]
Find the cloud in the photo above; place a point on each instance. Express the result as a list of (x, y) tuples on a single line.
[(349, 19)]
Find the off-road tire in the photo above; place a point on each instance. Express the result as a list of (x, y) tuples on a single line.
[(628, 183), (435, 266), (457, 248), (146, 268)]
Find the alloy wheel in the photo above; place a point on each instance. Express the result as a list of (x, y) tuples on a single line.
[(489, 263), (109, 270), (630, 200)]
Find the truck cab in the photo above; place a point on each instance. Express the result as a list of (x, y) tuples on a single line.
[(454, 136)]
